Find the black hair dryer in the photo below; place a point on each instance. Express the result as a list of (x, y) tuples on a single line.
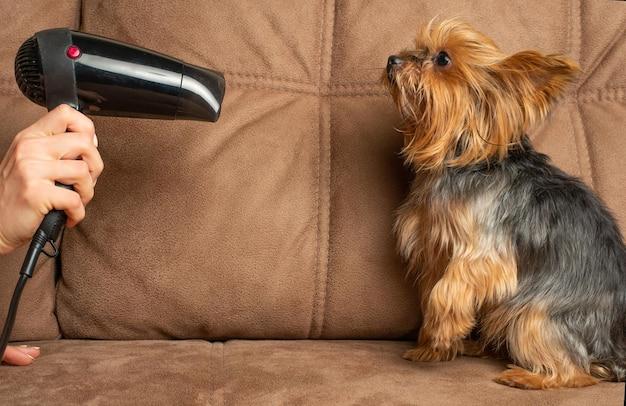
[(100, 76)]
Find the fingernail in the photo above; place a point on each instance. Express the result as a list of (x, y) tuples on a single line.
[(37, 348), (29, 356), (23, 346), (95, 140)]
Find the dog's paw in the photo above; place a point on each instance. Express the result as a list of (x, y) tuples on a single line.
[(429, 354), (517, 377)]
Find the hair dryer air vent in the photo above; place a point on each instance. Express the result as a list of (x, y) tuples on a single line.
[(28, 72)]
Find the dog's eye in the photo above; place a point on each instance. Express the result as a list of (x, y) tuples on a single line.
[(442, 59)]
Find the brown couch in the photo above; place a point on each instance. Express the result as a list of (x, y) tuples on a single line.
[(252, 261)]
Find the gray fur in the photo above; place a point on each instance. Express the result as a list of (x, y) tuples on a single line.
[(570, 253)]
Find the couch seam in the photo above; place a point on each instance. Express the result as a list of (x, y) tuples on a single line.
[(599, 94), (267, 77), (323, 174), (611, 94), (325, 248), (597, 62), (328, 126), (295, 89), (316, 270), (570, 46), (81, 8), (581, 138)]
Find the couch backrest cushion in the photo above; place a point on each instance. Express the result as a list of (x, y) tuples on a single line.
[(277, 220)]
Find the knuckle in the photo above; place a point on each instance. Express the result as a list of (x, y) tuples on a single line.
[(63, 112), (84, 142), (83, 168), (99, 166), (21, 135), (75, 202), (22, 147), (90, 126), (65, 109), (89, 193), (24, 169), (30, 194), (86, 139)]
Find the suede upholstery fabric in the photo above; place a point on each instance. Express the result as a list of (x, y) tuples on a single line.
[(276, 221), (287, 372)]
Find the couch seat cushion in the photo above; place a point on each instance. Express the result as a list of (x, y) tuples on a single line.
[(266, 372)]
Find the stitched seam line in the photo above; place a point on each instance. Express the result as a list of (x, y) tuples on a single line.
[(582, 141), (603, 55), (79, 17), (327, 126), (316, 270), (245, 81), (602, 94), (575, 120), (610, 94), (323, 172), (257, 76)]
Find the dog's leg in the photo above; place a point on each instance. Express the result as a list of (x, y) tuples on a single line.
[(472, 348), (449, 316), (453, 302)]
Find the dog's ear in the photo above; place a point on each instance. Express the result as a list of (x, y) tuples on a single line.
[(539, 80)]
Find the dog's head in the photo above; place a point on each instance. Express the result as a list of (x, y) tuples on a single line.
[(463, 100)]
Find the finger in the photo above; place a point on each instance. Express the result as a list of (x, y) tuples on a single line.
[(62, 146), (69, 172), (60, 120), (76, 173), (68, 201), (13, 356), (32, 351), (73, 146)]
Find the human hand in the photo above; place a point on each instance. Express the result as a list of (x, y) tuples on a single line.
[(39, 155)]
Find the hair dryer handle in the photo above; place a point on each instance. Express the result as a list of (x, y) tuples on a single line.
[(54, 221)]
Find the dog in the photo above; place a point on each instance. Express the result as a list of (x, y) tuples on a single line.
[(502, 242)]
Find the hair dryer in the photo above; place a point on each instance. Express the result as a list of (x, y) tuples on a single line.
[(103, 77), (100, 76)]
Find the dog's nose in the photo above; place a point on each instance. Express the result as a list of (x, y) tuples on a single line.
[(394, 60)]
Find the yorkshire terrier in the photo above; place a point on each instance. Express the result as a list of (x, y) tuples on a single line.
[(503, 242)]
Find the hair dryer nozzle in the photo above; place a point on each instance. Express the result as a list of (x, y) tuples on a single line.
[(201, 94)]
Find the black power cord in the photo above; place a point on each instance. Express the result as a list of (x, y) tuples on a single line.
[(48, 232), (28, 268), (8, 324)]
